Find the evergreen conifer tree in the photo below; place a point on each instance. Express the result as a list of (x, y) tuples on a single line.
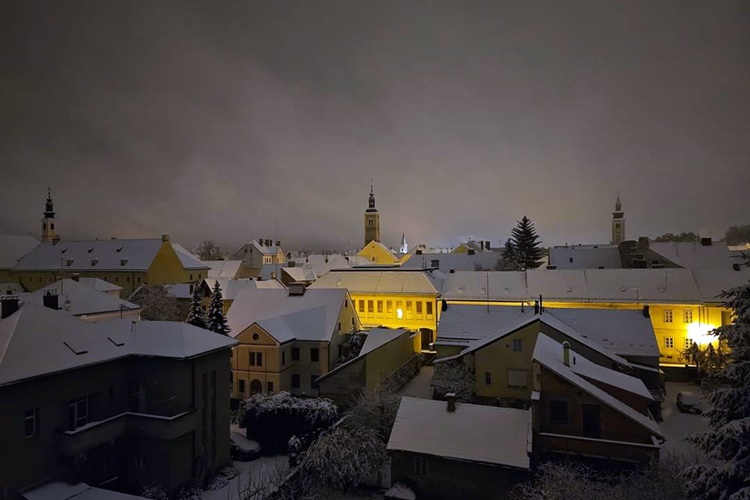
[(727, 444), (525, 241), (196, 315), (510, 259), (216, 320)]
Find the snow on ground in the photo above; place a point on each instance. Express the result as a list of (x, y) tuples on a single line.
[(258, 471), (419, 386), (677, 425)]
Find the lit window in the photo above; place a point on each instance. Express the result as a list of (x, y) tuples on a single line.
[(517, 345), (687, 316), (688, 343), (667, 315), (669, 342), (408, 307)]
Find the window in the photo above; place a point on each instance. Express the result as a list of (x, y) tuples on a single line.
[(688, 343), (389, 306), (420, 466), (78, 413), (31, 423), (380, 307), (339, 325), (667, 315), (314, 354), (408, 307), (592, 424), (295, 353), (199, 276), (269, 385), (517, 345), (488, 378), (109, 394), (138, 279), (283, 357), (295, 381), (242, 386), (346, 303), (117, 279), (517, 379), (399, 310), (191, 277), (256, 359), (419, 307), (361, 306), (687, 316), (370, 306), (52, 226), (558, 412), (726, 318), (429, 308), (669, 342), (313, 379), (127, 279)]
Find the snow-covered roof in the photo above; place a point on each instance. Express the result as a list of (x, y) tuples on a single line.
[(321, 264), (83, 299), (37, 341), (99, 284), (11, 288), (13, 247), (259, 246), (381, 281), (378, 337), (223, 269), (623, 332), (101, 255), (302, 273), (550, 321), (476, 433), (585, 257), (230, 288), (456, 261), (675, 286), (60, 490), (549, 354), (180, 290), (711, 282), (694, 255), (310, 316)]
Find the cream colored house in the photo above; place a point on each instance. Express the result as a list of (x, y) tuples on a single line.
[(259, 252), (288, 338)]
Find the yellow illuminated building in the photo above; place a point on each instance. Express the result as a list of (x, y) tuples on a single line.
[(377, 253)]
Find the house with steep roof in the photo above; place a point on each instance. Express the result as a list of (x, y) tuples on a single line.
[(256, 253), (393, 298), (458, 450), (118, 404), (383, 354), (288, 338), (377, 253), (126, 263), (582, 409), (223, 269)]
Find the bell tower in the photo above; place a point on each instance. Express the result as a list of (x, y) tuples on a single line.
[(372, 220), (49, 233), (618, 223)]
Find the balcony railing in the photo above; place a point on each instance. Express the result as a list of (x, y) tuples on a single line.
[(88, 436)]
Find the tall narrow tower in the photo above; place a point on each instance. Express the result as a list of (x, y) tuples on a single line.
[(404, 245), (618, 223), (49, 233), (372, 220)]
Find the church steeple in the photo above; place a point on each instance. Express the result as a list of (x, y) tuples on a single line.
[(618, 223), (404, 245), (372, 219), (49, 233)]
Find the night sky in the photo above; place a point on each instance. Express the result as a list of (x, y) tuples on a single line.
[(228, 119)]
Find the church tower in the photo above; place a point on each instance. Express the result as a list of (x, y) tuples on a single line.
[(49, 233), (618, 223), (372, 220)]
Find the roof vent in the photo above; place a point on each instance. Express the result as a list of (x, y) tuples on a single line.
[(569, 289), (451, 399), (623, 289), (123, 262)]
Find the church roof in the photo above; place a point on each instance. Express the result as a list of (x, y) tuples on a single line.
[(13, 247)]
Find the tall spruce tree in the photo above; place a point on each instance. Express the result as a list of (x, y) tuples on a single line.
[(216, 320), (509, 257), (196, 315), (727, 444), (526, 242)]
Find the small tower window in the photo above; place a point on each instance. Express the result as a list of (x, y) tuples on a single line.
[(52, 226), (44, 226)]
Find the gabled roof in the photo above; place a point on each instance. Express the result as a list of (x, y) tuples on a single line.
[(83, 299), (549, 320), (474, 433), (13, 247), (230, 288), (585, 257), (456, 261), (99, 285), (311, 316), (300, 273), (37, 341), (223, 269), (259, 246), (694, 255), (380, 281), (711, 282), (549, 354), (101, 255)]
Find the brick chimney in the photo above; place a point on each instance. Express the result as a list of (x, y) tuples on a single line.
[(451, 399), (8, 305), (51, 299)]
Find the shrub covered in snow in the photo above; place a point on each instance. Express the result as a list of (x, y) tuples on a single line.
[(456, 377), (352, 346), (272, 419), (727, 444), (155, 492), (375, 409), (189, 493)]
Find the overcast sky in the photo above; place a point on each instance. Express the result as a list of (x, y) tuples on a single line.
[(228, 119)]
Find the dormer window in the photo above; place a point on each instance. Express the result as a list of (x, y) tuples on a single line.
[(64, 250), (69, 262), (119, 249), (123, 262), (90, 249), (94, 262)]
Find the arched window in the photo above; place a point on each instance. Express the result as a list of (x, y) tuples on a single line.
[(256, 386)]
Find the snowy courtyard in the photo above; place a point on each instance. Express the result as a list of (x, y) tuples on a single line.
[(677, 425)]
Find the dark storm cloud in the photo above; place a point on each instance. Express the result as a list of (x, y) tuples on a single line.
[(225, 119)]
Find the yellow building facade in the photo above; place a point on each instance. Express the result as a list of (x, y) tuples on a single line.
[(377, 253)]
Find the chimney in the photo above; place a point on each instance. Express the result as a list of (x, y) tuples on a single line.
[(541, 304), (451, 398), (51, 299), (646, 312), (164, 237), (8, 305), (76, 277), (419, 251), (643, 240), (296, 288), (278, 243), (706, 242), (444, 305), (452, 270), (566, 353)]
